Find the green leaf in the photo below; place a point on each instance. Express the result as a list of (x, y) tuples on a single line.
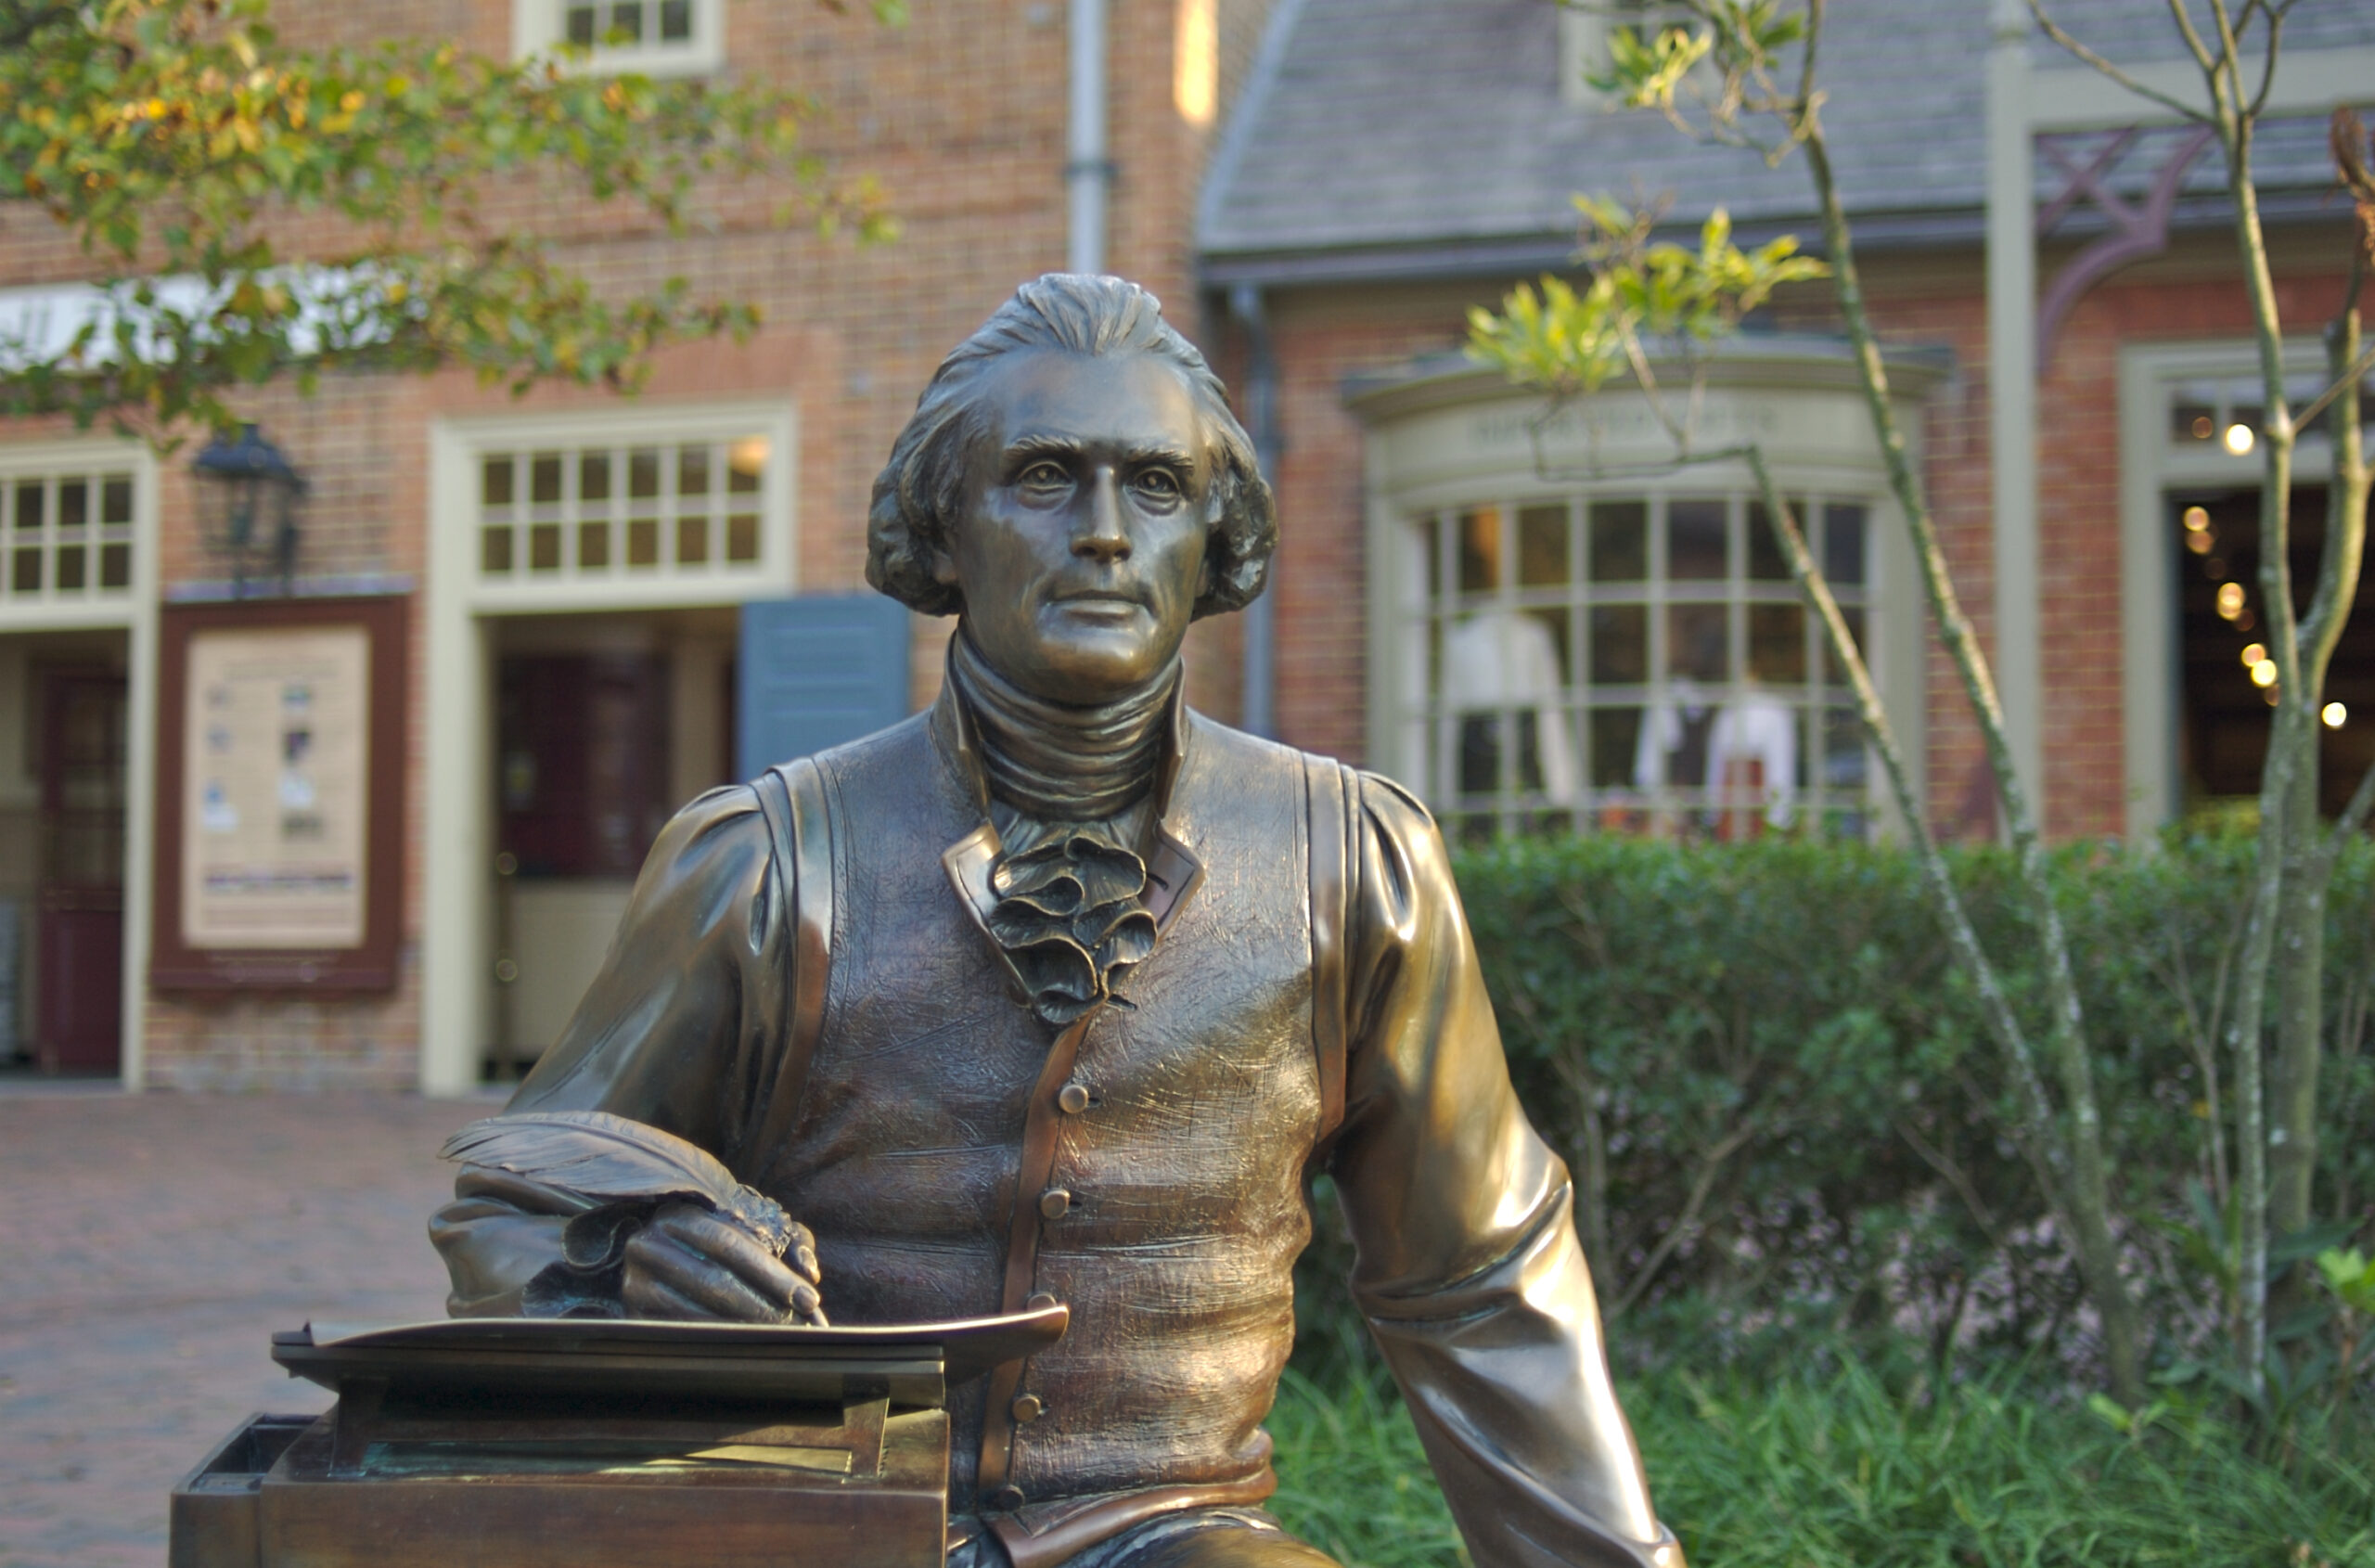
[(195, 109)]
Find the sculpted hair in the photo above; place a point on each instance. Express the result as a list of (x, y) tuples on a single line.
[(921, 489)]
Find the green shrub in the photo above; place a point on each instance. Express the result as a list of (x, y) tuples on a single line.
[(1782, 1111)]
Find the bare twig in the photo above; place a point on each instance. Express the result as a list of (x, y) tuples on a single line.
[(1957, 1178), (2210, 63), (2308, 414), (2054, 30), (1701, 1182), (2354, 816), (2267, 71)]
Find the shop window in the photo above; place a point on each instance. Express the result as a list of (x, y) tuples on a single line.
[(2228, 414), (1633, 662), (653, 37), (2229, 681), (576, 515), (68, 536)]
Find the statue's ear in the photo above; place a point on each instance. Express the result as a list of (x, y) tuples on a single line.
[(943, 567)]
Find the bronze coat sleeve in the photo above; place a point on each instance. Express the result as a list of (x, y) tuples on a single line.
[(685, 1028), (1469, 1270)]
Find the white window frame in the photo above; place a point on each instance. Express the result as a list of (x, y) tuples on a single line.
[(132, 611), (454, 976), (540, 27), (464, 445), (2153, 463), (92, 606)]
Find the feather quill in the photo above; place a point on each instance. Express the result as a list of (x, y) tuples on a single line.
[(596, 1155)]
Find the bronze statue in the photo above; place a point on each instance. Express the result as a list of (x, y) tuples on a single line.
[(1064, 991)]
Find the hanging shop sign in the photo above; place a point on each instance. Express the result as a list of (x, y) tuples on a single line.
[(280, 790)]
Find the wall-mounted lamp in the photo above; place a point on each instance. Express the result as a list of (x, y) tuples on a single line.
[(248, 497)]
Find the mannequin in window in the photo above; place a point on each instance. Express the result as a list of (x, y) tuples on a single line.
[(1505, 661)]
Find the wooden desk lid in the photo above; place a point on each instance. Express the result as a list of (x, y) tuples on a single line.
[(562, 1354)]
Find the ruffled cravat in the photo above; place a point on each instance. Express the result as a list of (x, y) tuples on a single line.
[(1071, 795), (1071, 913)]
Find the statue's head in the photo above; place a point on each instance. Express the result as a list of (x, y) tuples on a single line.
[(1073, 485)]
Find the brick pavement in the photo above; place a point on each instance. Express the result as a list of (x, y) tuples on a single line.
[(149, 1246)]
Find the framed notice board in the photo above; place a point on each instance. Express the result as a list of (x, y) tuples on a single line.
[(280, 795)]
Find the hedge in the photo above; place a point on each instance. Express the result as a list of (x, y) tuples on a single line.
[(1783, 1115)]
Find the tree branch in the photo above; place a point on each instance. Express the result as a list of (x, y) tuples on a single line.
[(2053, 29), (2365, 362), (2201, 55), (1701, 1183), (2354, 816)]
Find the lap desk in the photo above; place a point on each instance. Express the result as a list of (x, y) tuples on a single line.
[(517, 1443)]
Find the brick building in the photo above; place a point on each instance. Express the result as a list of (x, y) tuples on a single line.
[(1396, 161), (1535, 623), (589, 632)]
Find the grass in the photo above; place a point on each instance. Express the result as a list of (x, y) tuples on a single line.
[(1352, 1479), (1839, 1469)]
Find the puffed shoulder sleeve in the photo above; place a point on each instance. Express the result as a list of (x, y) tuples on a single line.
[(1467, 1267), (686, 1027)]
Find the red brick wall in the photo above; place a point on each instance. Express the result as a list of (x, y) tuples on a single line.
[(960, 116)]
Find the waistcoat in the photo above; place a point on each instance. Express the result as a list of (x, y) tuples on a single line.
[(956, 1157)]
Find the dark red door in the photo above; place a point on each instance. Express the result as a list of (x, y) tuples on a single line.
[(78, 932)]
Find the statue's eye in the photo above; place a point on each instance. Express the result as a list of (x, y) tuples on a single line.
[(1042, 476), (1161, 484)]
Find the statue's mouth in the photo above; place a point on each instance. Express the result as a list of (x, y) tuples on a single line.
[(1101, 602)]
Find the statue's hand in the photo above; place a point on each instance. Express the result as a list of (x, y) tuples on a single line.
[(688, 1262)]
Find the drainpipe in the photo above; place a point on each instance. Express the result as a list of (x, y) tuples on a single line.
[(2012, 380), (1256, 706), (1089, 173)]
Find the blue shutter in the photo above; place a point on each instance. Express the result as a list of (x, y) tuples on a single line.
[(814, 672)]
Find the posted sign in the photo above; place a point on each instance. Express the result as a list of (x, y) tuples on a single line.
[(279, 791), (275, 798)]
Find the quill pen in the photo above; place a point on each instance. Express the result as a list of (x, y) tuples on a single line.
[(611, 1160)]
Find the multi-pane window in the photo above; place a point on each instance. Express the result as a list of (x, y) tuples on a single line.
[(658, 37), (626, 24), (2229, 414), (1632, 663), (68, 536), (691, 509)]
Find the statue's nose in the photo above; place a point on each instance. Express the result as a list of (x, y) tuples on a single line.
[(1099, 533)]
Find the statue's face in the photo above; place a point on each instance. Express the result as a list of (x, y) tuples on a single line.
[(1080, 550)]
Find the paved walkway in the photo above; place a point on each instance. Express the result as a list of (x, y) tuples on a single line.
[(149, 1246)]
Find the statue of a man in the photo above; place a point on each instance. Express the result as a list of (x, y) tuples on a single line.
[(1064, 991)]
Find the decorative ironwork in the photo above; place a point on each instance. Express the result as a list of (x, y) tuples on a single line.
[(2138, 229)]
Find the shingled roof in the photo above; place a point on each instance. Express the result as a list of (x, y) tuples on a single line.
[(1430, 137)]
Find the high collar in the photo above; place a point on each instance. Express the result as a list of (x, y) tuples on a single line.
[(955, 737)]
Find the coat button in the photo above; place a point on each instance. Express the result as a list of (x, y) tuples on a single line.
[(1027, 1408), (1009, 1497), (1040, 1301), (1074, 1098), (1055, 1202)]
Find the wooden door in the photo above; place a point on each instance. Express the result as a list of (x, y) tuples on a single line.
[(77, 934)]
